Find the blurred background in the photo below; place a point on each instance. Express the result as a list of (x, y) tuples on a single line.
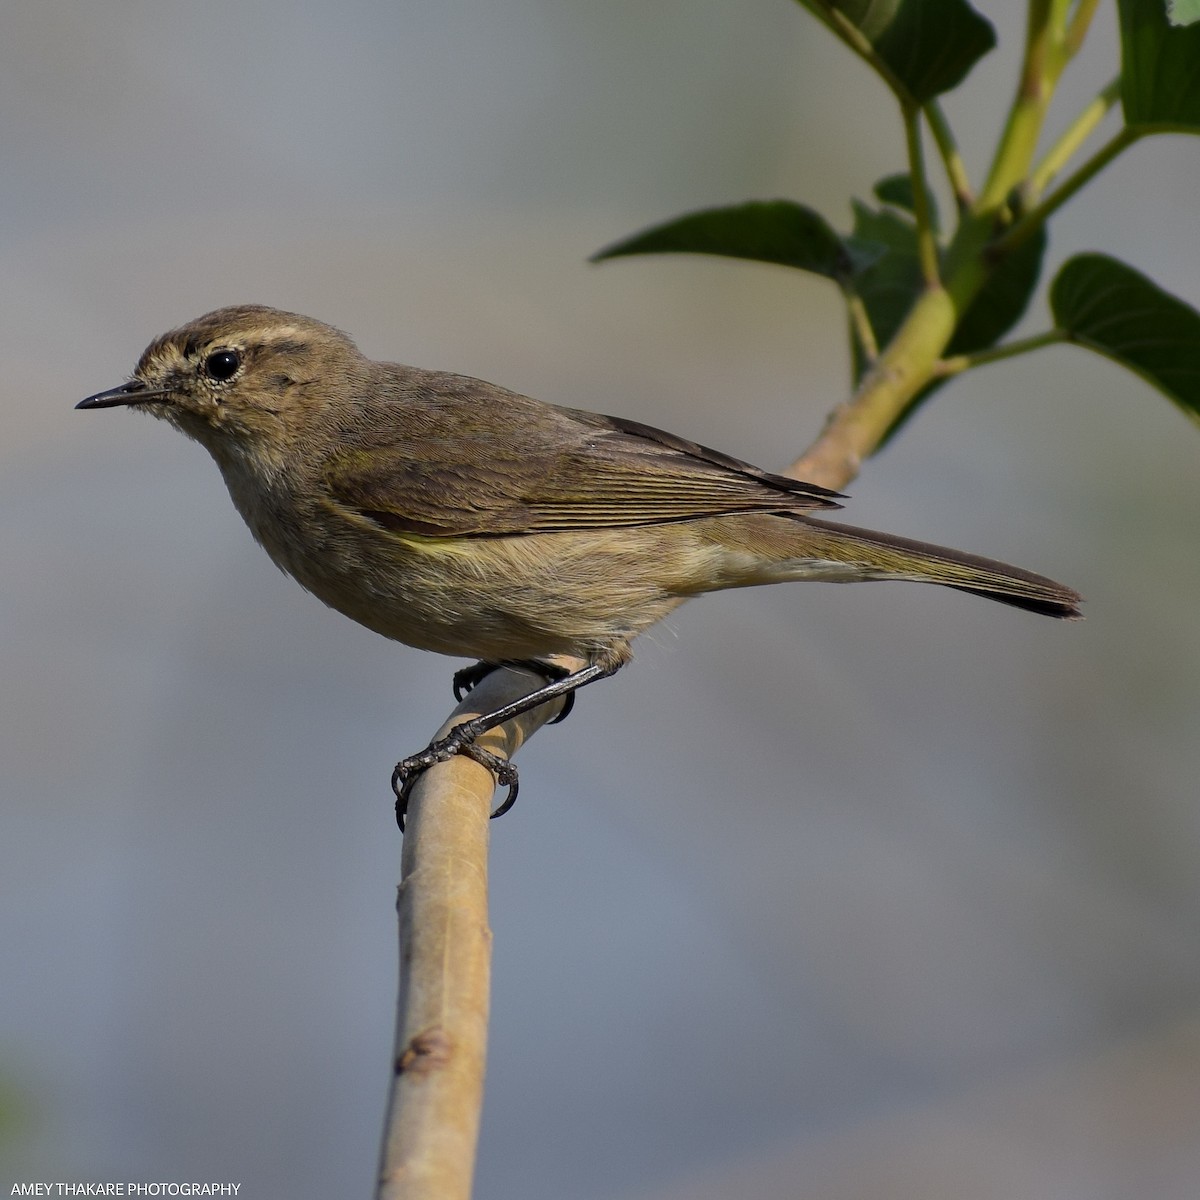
[(836, 892)]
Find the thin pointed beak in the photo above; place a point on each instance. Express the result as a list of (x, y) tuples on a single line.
[(133, 392)]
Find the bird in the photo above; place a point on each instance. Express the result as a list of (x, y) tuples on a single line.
[(454, 515)]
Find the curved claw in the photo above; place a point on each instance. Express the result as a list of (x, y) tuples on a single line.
[(468, 678), (568, 703), (403, 778), (408, 769), (504, 771)]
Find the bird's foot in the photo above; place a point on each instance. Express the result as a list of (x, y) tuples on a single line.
[(460, 740)]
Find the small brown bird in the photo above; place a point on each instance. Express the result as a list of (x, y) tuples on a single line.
[(456, 516)]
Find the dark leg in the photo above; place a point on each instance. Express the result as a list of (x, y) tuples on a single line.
[(461, 739)]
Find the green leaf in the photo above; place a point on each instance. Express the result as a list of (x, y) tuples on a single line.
[(921, 48), (1111, 308), (1002, 299), (897, 190), (889, 283), (1160, 69), (1183, 12), (774, 231)]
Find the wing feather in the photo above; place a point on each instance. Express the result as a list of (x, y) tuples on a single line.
[(448, 456)]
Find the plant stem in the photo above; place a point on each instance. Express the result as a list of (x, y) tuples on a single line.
[(853, 37), (956, 171), (905, 366), (1045, 57), (860, 325), (1038, 215), (965, 362), (855, 429), (926, 242), (1073, 137), (1078, 27)]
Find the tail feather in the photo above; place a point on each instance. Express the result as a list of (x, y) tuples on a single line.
[(870, 555), (1047, 606)]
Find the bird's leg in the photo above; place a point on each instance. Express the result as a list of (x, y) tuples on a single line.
[(461, 739), (470, 677)]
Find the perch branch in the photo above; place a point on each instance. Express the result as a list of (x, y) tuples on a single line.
[(445, 953)]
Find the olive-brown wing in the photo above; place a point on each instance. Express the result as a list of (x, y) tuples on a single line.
[(456, 457)]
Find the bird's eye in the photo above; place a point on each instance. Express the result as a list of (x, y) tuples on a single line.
[(222, 365)]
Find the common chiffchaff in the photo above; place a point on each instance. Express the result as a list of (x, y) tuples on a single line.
[(456, 516)]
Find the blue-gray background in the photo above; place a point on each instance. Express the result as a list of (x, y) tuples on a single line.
[(837, 892)]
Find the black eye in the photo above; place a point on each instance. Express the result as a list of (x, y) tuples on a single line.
[(222, 365)]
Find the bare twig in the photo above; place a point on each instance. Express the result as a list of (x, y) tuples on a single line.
[(445, 954)]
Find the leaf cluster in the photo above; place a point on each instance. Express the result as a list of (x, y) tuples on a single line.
[(934, 303)]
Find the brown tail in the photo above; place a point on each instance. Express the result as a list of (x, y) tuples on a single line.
[(884, 556)]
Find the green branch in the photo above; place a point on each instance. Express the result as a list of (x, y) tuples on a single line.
[(1046, 54), (861, 327), (849, 33), (956, 171), (1080, 22), (927, 250), (966, 362), (1039, 214), (1073, 137)]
